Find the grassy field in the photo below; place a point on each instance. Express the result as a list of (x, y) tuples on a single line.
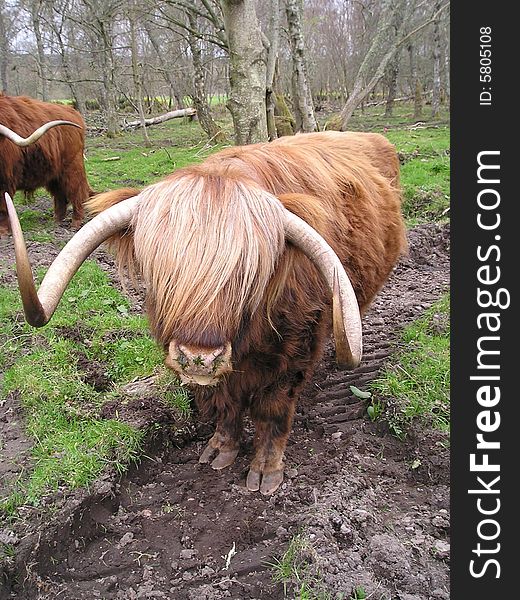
[(416, 382), (94, 323)]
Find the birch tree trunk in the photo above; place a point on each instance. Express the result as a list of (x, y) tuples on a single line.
[(199, 95), (247, 71), (392, 85), (436, 90), (272, 59), (303, 105), (446, 58), (415, 85), (136, 72), (447, 75), (40, 60), (4, 49)]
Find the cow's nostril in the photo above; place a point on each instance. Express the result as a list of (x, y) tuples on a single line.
[(182, 359)]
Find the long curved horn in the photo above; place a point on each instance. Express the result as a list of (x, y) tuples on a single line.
[(35, 136), (345, 309), (39, 306)]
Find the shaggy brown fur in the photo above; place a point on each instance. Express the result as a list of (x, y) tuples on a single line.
[(207, 241), (55, 161)]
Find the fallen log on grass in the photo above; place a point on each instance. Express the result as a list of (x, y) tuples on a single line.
[(173, 114)]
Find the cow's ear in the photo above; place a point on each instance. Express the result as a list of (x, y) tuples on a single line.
[(121, 243)]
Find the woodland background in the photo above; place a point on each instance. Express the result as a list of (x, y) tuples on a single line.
[(279, 66)]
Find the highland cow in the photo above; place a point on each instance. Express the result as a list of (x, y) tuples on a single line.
[(249, 259), (49, 157)]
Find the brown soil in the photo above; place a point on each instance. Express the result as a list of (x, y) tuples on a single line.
[(373, 511)]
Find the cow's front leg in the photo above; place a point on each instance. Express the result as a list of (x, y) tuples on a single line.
[(223, 447), (272, 417), (5, 225)]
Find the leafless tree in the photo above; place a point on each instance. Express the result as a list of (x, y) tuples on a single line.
[(247, 71), (65, 37), (35, 7), (199, 94), (446, 52), (394, 13), (436, 54), (302, 97), (4, 47), (381, 52), (272, 61), (415, 84), (161, 58), (99, 19), (134, 18)]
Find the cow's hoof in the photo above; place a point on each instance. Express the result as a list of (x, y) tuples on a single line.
[(267, 484), (208, 453), (223, 458), (253, 480)]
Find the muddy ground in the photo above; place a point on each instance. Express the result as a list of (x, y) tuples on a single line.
[(372, 511)]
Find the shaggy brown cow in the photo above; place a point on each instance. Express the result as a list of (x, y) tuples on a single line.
[(239, 256), (55, 161)]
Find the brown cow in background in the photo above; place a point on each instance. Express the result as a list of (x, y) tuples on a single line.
[(249, 260), (54, 161)]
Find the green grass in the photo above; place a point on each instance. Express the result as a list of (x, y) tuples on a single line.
[(425, 173), (416, 384), (373, 118), (176, 144), (72, 444), (292, 570)]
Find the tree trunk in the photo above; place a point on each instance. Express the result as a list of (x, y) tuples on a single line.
[(109, 84), (392, 14), (272, 59), (415, 85), (4, 49), (447, 75), (436, 90), (445, 60), (302, 97), (136, 74), (199, 95), (173, 114), (74, 88), (247, 71), (41, 60), (392, 85)]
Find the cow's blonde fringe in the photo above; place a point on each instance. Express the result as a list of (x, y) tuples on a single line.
[(206, 248)]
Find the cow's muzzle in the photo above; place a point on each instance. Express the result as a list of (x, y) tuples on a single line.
[(198, 365)]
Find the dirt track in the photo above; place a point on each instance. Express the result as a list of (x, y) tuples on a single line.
[(174, 529)]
